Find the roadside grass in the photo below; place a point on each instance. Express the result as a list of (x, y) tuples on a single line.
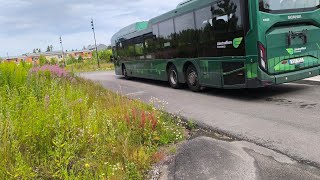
[(89, 66), (57, 126)]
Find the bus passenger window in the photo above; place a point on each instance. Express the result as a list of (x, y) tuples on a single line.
[(227, 16)]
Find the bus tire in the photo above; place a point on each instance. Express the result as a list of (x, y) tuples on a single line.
[(173, 77), (125, 72), (192, 78)]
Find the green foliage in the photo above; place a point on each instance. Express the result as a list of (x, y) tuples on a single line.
[(80, 59), (90, 65), (42, 60), (105, 55), (191, 125), (53, 61), (70, 128), (71, 60)]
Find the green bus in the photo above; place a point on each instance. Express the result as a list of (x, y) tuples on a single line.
[(224, 44)]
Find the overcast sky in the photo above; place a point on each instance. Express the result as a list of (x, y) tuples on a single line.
[(29, 24)]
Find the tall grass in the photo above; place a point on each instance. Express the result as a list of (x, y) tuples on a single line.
[(89, 66), (56, 126)]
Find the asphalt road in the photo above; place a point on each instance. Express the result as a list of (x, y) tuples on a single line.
[(283, 118), (205, 158)]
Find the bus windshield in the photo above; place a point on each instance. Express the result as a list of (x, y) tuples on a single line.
[(276, 5)]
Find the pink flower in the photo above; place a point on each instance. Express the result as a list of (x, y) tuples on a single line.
[(53, 69)]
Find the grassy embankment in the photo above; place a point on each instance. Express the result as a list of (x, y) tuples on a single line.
[(89, 66), (57, 126)]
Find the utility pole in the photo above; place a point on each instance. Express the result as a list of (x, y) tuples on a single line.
[(64, 61), (95, 42)]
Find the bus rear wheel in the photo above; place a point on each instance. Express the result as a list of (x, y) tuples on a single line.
[(173, 77), (193, 79)]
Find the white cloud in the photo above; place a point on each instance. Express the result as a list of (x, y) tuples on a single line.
[(28, 24)]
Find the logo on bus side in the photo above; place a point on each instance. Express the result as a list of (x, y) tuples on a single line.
[(235, 42), (292, 51)]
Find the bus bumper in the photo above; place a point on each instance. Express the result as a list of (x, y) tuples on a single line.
[(266, 80)]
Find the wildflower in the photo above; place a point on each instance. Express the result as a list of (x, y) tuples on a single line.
[(128, 119), (134, 114), (54, 70), (87, 165), (154, 121), (143, 119)]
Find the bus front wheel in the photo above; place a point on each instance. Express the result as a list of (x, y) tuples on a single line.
[(173, 77), (192, 78), (125, 72)]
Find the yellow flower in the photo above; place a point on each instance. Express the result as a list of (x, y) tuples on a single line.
[(87, 165)]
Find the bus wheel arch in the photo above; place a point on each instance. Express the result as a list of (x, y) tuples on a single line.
[(173, 76)]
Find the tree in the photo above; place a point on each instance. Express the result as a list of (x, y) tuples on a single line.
[(34, 51), (51, 48), (71, 60), (105, 55), (48, 49), (80, 59), (53, 61), (42, 60)]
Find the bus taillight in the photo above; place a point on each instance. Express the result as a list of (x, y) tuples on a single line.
[(262, 56)]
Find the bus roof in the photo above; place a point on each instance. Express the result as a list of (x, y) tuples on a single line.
[(130, 31)]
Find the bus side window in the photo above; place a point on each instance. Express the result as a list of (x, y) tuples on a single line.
[(119, 49), (139, 51), (203, 18), (227, 16), (128, 51), (151, 45), (185, 36), (204, 33), (166, 34)]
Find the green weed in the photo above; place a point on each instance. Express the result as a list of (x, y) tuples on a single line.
[(89, 66)]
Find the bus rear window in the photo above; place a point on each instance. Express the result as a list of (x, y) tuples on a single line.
[(278, 5)]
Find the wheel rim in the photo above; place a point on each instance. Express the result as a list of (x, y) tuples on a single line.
[(192, 78), (173, 77)]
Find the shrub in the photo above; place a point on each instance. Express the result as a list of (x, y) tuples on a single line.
[(80, 59), (43, 60), (53, 61)]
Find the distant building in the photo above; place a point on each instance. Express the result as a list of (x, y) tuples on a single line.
[(85, 54), (34, 57), (16, 59)]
